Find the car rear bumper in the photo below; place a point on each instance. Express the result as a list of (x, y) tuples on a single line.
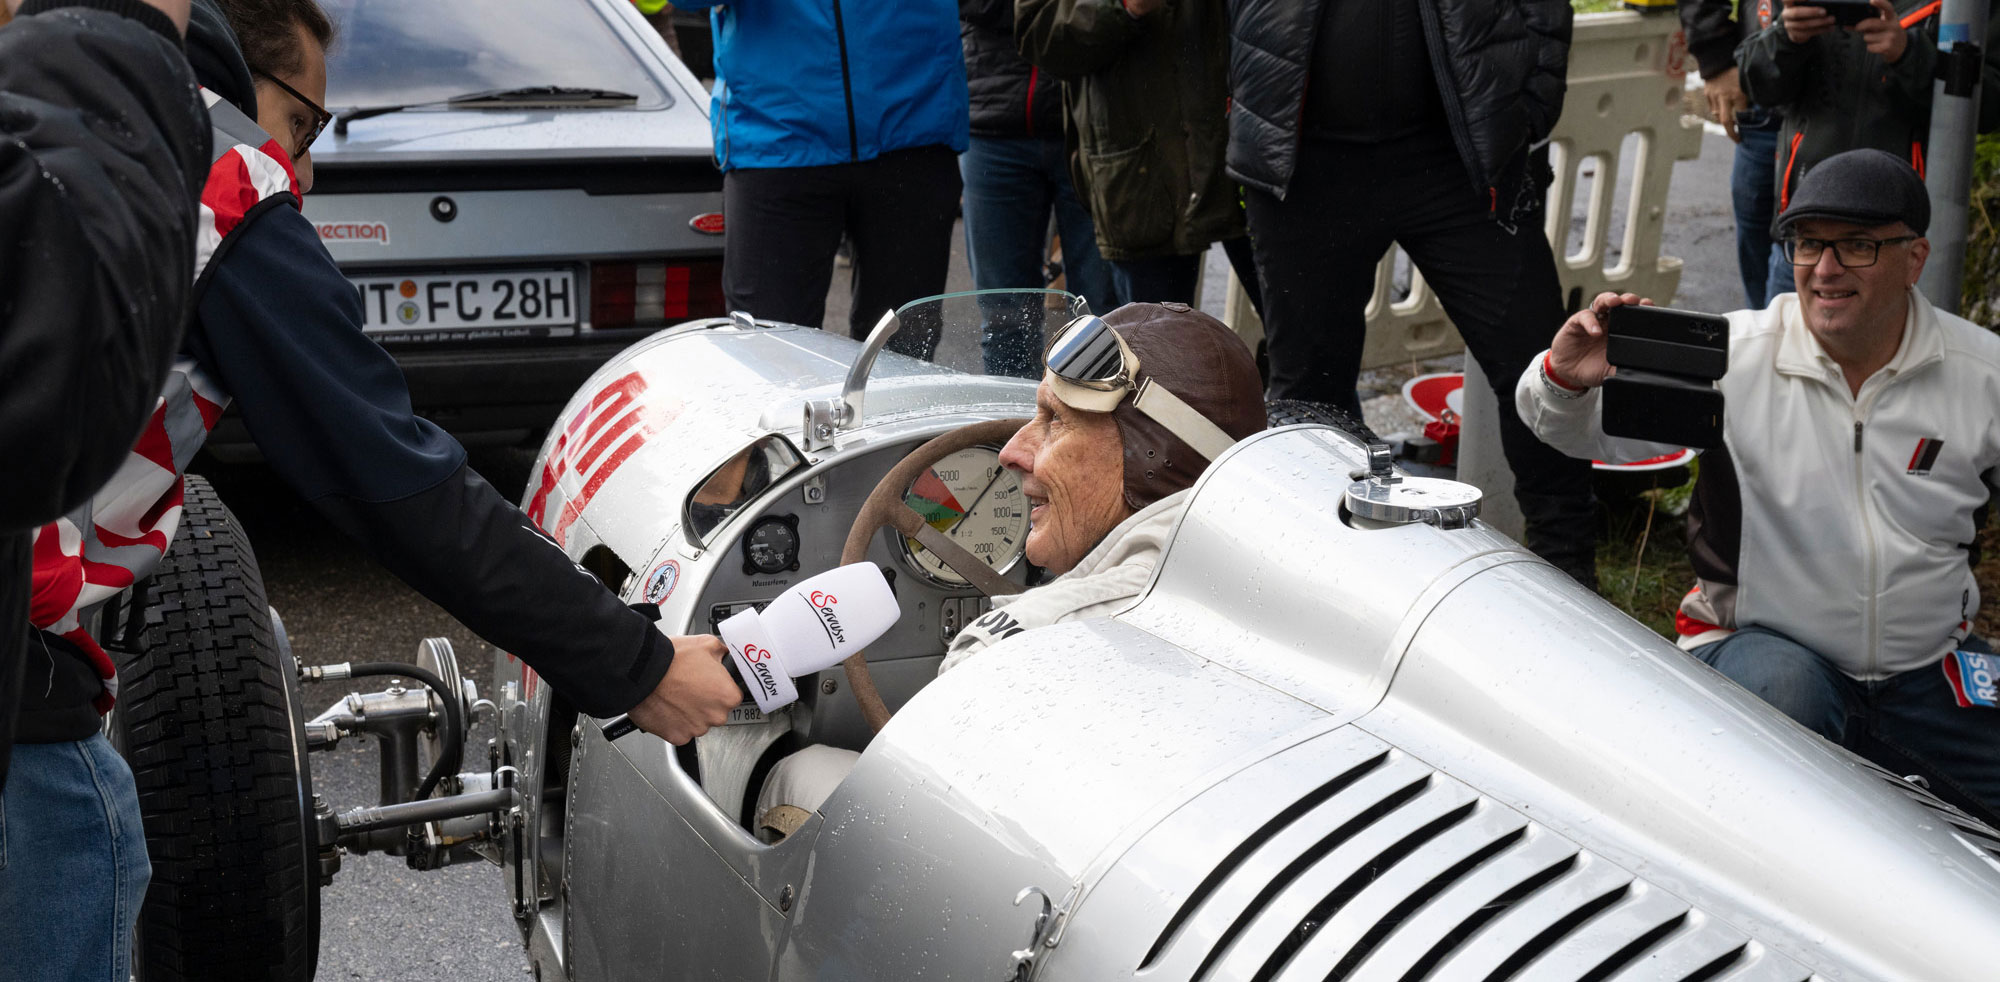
[(481, 395)]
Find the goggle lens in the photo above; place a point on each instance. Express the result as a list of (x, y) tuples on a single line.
[(1086, 351)]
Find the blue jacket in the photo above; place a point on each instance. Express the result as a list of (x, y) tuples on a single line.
[(801, 83)]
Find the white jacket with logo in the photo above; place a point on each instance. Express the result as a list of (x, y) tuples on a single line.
[(1843, 521)]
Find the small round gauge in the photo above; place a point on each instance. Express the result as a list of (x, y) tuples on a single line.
[(772, 545), (977, 504)]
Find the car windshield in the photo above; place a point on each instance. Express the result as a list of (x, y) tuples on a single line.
[(399, 52)]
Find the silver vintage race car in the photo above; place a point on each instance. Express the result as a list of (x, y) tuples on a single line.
[(1347, 732)]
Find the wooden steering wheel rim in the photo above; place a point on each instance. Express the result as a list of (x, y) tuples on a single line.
[(885, 507)]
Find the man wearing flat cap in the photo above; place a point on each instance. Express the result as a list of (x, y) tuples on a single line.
[(1832, 535)]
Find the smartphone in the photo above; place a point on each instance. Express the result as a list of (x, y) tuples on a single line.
[(1661, 339), (1847, 13), (1663, 408)]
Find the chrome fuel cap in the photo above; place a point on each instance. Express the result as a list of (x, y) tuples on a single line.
[(1387, 497)]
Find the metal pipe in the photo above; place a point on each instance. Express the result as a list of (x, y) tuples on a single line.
[(369, 819), (1948, 167)]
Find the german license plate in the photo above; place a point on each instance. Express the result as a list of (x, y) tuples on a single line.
[(524, 303)]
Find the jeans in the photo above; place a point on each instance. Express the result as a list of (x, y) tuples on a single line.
[(1012, 184), (1317, 251), (73, 869), (1754, 198), (1908, 723), (1779, 279)]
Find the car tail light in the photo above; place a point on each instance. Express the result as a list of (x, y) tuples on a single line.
[(655, 293)]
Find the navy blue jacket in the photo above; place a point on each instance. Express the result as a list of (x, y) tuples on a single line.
[(801, 83), (279, 328)]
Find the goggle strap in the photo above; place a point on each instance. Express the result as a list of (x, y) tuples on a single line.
[(1181, 419)]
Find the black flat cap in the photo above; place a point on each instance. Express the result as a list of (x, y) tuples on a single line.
[(1866, 187)]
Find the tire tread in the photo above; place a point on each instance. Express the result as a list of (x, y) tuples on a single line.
[(209, 736)]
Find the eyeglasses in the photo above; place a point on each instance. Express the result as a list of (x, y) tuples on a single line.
[(1852, 253), (320, 116), (1092, 369)]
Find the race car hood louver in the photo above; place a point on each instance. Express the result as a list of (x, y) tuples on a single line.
[(1982, 839), (1392, 870)]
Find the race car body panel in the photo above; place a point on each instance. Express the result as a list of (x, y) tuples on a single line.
[(1315, 747)]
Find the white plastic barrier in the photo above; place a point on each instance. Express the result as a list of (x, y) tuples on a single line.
[(1626, 73)]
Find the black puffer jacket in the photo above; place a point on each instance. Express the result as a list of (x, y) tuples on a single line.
[(1010, 98), (1500, 66), (97, 229), (97, 226)]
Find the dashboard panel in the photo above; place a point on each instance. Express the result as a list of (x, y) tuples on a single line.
[(798, 528)]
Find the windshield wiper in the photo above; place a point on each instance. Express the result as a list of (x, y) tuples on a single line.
[(527, 97)]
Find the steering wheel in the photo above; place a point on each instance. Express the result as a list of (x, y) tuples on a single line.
[(885, 507)]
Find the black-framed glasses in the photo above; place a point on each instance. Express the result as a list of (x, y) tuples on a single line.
[(1852, 253), (320, 116)]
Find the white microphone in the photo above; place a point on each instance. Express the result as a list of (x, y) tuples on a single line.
[(810, 627)]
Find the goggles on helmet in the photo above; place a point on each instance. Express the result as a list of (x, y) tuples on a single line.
[(1092, 369)]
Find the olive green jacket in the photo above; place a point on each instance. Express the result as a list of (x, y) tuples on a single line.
[(1147, 121)]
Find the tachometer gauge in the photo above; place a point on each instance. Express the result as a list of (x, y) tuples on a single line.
[(977, 504)]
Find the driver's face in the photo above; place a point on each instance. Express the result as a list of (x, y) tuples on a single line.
[(1072, 467)]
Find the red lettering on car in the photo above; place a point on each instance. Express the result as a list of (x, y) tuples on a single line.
[(601, 437)]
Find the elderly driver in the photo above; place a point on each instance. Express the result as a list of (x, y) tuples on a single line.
[(1106, 479), (1132, 408)]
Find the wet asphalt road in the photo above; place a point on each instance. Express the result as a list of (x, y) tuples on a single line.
[(384, 921)]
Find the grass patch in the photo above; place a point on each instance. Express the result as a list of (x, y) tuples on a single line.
[(1642, 564), (1595, 6)]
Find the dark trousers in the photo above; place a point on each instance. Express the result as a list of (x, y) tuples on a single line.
[(1317, 251), (1156, 279), (16, 585), (785, 224)]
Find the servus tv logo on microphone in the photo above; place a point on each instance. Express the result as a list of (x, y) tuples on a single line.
[(822, 604), (758, 659)]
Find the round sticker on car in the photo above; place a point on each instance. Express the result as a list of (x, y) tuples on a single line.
[(661, 581), (707, 224)]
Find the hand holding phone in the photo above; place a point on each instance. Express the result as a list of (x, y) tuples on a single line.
[(1848, 13)]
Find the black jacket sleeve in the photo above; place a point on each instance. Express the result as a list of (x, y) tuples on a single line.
[(103, 152), (1772, 68), (280, 328), (991, 15), (1712, 34)]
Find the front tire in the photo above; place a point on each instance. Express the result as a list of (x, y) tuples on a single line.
[(208, 717)]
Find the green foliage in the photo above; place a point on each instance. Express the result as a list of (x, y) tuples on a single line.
[(1595, 6), (1642, 561), (1982, 237)]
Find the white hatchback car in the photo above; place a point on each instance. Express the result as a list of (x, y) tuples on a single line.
[(518, 189)]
